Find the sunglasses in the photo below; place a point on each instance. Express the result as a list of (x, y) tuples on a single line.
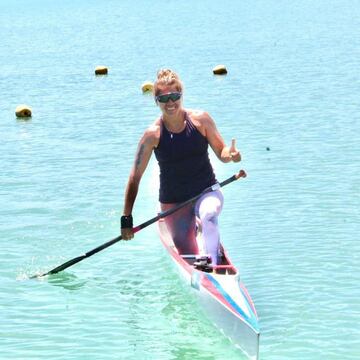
[(165, 98)]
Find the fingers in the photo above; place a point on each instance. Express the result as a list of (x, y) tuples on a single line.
[(127, 234), (234, 153), (233, 145)]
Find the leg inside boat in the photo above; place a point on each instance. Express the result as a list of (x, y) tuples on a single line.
[(182, 228), (207, 210)]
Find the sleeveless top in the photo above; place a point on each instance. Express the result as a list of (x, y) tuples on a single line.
[(185, 168)]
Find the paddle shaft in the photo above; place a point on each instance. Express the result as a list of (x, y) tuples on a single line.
[(161, 215)]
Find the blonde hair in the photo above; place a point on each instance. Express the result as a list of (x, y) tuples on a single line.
[(167, 77)]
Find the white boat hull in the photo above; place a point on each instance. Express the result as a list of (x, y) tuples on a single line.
[(223, 297)]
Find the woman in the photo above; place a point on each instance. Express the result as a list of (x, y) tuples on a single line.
[(180, 138)]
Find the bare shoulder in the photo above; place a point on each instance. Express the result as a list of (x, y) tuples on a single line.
[(201, 119), (152, 134), (198, 115)]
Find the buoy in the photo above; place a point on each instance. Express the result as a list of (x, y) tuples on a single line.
[(219, 70), (147, 86), (23, 111), (101, 70)]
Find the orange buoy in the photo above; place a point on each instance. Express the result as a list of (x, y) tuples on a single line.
[(101, 70), (23, 111), (219, 70)]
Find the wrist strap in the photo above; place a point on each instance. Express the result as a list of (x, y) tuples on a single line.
[(126, 222)]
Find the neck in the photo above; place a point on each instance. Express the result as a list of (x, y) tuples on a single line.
[(174, 122)]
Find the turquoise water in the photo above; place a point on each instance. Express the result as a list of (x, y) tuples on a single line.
[(291, 99)]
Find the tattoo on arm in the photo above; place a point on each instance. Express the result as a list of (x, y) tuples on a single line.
[(139, 155)]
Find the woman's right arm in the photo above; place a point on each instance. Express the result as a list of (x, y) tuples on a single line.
[(145, 148)]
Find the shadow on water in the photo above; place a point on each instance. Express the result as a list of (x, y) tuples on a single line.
[(63, 279), (187, 352), (66, 280)]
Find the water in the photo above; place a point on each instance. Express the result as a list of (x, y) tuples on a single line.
[(291, 99)]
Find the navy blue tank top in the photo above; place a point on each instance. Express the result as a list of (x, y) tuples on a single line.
[(185, 168)]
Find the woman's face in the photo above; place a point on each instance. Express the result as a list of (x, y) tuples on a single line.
[(169, 99)]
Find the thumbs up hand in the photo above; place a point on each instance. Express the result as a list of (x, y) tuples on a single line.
[(234, 154)]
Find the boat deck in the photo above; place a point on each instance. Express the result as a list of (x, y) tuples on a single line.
[(224, 267)]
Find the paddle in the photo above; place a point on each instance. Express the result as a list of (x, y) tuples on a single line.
[(161, 215)]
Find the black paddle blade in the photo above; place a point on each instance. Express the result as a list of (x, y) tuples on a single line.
[(61, 267), (78, 258)]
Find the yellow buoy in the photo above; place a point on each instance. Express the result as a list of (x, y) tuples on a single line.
[(23, 111), (147, 86), (219, 70), (101, 70)]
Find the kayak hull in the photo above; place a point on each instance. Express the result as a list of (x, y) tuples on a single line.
[(222, 295)]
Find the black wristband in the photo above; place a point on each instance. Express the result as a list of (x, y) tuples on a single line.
[(126, 222)]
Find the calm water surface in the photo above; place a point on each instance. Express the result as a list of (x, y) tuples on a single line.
[(291, 99)]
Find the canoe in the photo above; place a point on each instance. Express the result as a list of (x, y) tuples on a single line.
[(221, 294)]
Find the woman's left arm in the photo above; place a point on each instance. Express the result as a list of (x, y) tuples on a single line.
[(223, 152)]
